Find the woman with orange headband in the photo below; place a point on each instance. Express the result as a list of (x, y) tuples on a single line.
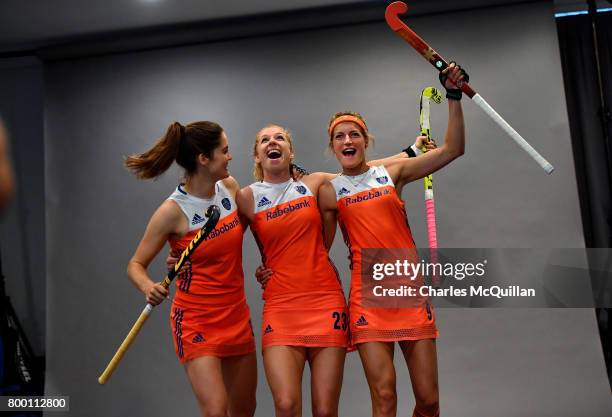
[(319, 292), (369, 208), (305, 318)]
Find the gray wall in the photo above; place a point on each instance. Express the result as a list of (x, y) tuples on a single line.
[(22, 225), (492, 362)]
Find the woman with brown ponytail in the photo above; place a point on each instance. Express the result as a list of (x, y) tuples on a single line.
[(210, 318)]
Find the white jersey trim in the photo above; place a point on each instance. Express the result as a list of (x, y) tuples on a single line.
[(266, 195), (195, 208), (375, 177)]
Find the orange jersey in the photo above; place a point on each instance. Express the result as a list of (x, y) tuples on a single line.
[(209, 314), (288, 229), (304, 301), (214, 276), (372, 215)]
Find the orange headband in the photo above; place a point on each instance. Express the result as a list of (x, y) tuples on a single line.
[(347, 118)]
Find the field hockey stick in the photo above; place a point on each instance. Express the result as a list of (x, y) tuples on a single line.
[(428, 95), (392, 16), (213, 213)]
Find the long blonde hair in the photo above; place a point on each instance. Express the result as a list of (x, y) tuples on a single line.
[(257, 170)]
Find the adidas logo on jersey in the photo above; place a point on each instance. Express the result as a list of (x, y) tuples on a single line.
[(196, 219), (264, 202), (198, 338), (301, 189), (269, 329), (382, 180), (361, 322), (343, 191)]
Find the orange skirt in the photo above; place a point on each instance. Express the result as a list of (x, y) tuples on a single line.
[(211, 331), (312, 320), (391, 324)]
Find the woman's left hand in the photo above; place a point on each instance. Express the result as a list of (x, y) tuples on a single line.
[(422, 140)]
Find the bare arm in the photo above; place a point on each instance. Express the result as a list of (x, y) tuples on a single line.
[(246, 205), (404, 171), (387, 160), (162, 225), (232, 185), (328, 208), (234, 188), (418, 144), (246, 210), (416, 147), (319, 176)]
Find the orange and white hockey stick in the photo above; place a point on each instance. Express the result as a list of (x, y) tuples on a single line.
[(397, 8)]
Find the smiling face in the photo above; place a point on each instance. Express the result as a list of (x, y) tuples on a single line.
[(273, 151), (217, 164), (349, 144)]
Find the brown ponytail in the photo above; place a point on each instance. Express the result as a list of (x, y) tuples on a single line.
[(182, 144)]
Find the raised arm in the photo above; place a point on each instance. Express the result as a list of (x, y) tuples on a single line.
[(163, 224), (411, 151), (406, 170)]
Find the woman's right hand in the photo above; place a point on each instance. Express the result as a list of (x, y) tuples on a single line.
[(155, 293), (165, 222), (263, 275)]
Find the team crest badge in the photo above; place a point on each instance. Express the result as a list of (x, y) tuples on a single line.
[(382, 180), (301, 189), (226, 203)]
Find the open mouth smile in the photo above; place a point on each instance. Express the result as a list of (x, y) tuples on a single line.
[(273, 154)]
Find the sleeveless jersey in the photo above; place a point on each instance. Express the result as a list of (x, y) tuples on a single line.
[(288, 229), (214, 277), (371, 215)]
